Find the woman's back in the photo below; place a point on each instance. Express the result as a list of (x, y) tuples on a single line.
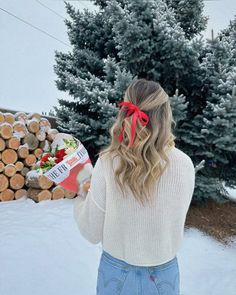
[(151, 234), (140, 226)]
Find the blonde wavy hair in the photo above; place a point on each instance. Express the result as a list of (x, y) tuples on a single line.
[(141, 165)]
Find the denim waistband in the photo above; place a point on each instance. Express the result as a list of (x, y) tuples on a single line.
[(123, 264)]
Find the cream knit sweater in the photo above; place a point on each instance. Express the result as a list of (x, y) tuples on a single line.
[(142, 236)]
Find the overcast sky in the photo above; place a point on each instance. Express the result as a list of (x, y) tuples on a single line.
[(27, 79)]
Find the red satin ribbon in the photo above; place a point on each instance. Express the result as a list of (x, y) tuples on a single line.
[(132, 109)]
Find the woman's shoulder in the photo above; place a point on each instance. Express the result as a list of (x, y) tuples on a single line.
[(181, 156), (105, 160)]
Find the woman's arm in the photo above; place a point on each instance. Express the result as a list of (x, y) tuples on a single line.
[(89, 211)]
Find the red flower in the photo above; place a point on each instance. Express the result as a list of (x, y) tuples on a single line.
[(60, 154), (58, 160), (45, 158)]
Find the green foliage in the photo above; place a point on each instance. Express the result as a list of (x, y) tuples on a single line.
[(214, 132), (189, 13)]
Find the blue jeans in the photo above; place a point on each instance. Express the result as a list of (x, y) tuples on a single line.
[(117, 277)]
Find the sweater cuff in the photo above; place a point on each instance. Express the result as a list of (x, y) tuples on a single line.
[(80, 199)]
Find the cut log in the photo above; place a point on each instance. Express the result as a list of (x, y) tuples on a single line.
[(17, 181), (2, 165), (6, 130), (9, 118), (51, 134), (57, 193), (30, 160), (19, 129), (4, 182), (36, 180), (7, 195), (45, 124), (36, 116), (34, 166), (21, 116), (2, 144), (69, 194), (39, 195), (23, 151), (31, 140), (9, 156), (45, 145), (13, 143), (38, 153), (24, 171), (33, 125), (20, 193), (19, 166), (2, 118), (9, 170), (41, 135)]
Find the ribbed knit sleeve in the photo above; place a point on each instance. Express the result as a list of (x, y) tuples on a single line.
[(89, 211), (190, 178)]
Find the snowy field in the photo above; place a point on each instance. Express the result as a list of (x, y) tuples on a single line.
[(43, 253)]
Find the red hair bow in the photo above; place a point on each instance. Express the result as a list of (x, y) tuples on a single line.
[(132, 109)]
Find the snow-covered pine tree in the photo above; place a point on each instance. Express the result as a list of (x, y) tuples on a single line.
[(98, 70), (103, 3), (179, 109), (214, 134), (189, 13), (151, 44), (219, 135), (92, 77), (91, 114)]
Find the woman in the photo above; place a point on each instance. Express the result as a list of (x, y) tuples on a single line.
[(140, 192)]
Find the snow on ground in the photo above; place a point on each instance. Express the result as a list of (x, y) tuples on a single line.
[(232, 193), (42, 252)]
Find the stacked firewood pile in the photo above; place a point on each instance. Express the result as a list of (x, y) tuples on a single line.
[(23, 139)]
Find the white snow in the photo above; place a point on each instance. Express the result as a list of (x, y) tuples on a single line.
[(33, 174), (232, 194), (29, 121), (18, 134), (42, 252), (46, 146), (16, 123), (24, 145)]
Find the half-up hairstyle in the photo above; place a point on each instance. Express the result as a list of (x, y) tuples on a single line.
[(141, 165)]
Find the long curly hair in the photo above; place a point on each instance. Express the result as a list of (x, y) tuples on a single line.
[(142, 164)]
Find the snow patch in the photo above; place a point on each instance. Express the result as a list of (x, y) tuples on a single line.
[(43, 252)]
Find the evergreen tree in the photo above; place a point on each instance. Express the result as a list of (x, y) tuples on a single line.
[(129, 39), (103, 3), (189, 13), (99, 52), (91, 114), (152, 44), (218, 131), (214, 134)]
